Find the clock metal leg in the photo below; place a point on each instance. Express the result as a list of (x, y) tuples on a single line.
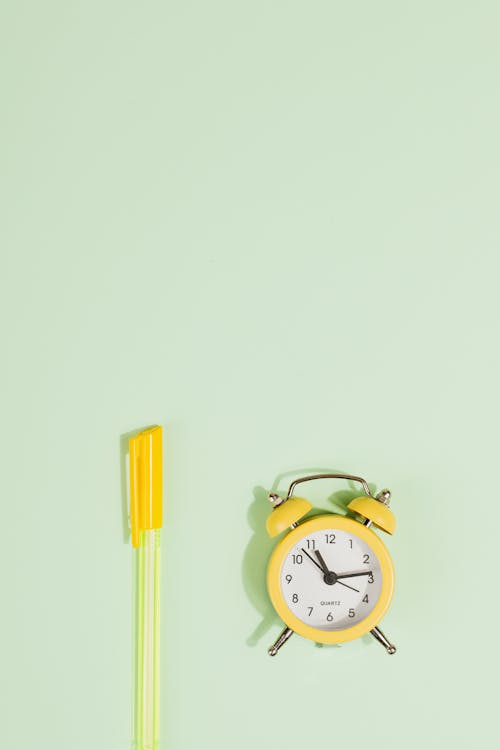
[(280, 641), (380, 637)]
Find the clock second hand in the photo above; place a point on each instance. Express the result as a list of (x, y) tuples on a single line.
[(327, 571), (348, 587), (312, 559)]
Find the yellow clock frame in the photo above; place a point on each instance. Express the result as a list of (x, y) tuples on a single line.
[(318, 523)]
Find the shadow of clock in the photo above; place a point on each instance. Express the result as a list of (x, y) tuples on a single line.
[(260, 546), (254, 565)]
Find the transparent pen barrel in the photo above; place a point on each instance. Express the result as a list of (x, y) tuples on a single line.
[(147, 641)]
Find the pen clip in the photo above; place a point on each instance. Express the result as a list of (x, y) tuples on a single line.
[(146, 482)]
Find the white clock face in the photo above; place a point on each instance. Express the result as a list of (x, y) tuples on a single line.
[(331, 579)]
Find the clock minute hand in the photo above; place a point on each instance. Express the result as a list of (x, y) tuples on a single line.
[(330, 577), (354, 575)]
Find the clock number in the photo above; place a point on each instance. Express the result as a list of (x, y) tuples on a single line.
[(330, 538), (295, 598), (370, 578), (366, 559), (350, 543), (329, 617), (352, 613), (297, 559), (288, 578), (365, 598), (310, 611), (311, 544)]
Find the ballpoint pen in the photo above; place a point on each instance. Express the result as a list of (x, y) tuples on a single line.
[(146, 519)]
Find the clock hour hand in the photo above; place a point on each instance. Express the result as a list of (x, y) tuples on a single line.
[(354, 575), (312, 559), (324, 566)]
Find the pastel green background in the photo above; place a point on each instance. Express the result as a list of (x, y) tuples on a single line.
[(273, 228)]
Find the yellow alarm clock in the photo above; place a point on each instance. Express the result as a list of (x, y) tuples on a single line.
[(330, 578)]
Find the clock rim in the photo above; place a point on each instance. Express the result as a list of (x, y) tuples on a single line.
[(318, 523)]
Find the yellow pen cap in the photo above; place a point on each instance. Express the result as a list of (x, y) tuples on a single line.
[(146, 482)]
